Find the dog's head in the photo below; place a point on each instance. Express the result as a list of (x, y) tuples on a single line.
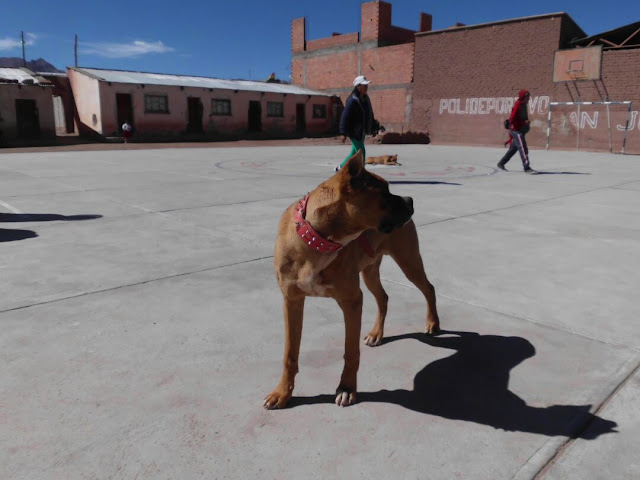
[(367, 200), (393, 158)]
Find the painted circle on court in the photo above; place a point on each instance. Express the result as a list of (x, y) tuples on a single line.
[(390, 173)]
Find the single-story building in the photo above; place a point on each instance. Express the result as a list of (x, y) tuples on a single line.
[(160, 106), (26, 106)]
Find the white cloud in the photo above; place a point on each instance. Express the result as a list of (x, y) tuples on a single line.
[(9, 43), (124, 50)]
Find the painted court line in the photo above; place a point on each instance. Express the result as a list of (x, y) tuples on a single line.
[(9, 207)]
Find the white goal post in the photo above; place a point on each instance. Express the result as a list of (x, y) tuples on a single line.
[(579, 105)]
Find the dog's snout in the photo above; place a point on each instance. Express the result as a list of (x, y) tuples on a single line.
[(408, 201), (401, 212)]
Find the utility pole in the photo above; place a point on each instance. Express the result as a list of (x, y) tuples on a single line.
[(75, 50), (24, 59)]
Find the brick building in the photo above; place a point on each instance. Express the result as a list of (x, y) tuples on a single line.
[(458, 84), (382, 52), (466, 78)]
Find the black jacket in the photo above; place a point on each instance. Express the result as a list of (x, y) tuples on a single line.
[(357, 117)]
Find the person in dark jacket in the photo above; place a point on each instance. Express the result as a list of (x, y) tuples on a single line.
[(357, 118), (518, 128)]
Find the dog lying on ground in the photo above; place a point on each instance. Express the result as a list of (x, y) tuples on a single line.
[(383, 160), (341, 229)]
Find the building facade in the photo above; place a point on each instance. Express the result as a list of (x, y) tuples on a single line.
[(380, 51), (164, 106), (467, 78), (459, 84), (26, 106)]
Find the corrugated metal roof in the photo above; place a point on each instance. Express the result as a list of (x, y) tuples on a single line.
[(51, 74), (21, 75), (118, 76), (619, 37)]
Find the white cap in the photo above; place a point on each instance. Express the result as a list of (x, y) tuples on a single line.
[(361, 80)]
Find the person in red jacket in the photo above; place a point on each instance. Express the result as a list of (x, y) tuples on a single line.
[(518, 128)]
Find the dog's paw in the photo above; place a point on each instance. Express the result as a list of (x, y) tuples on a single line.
[(374, 338), (276, 399), (432, 328), (345, 397)]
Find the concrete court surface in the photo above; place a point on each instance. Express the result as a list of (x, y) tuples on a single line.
[(142, 323)]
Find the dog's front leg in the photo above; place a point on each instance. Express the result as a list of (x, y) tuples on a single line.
[(371, 277), (352, 309), (293, 313)]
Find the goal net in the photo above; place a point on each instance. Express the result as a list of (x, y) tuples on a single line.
[(590, 125)]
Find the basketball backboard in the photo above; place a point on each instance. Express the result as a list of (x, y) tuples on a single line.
[(577, 64)]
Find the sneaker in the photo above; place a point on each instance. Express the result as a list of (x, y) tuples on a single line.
[(502, 167), (529, 170)]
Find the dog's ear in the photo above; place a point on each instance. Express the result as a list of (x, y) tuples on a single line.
[(352, 172), (354, 166)]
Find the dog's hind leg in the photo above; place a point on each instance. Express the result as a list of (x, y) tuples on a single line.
[(406, 252), (293, 313), (371, 277)]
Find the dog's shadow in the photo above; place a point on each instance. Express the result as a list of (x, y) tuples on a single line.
[(473, 385)]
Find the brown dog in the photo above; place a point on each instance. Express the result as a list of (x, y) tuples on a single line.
[(341, 228), (383, 160)]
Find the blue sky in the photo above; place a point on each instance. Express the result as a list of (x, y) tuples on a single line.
[(241, 39)]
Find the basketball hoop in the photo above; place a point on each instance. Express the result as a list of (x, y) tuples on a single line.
[(576, 75)]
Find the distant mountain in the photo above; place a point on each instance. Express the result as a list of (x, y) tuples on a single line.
[(39, 65)]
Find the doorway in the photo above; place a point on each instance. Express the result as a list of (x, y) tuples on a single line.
[(124, 109), (27, 119), (195, 110), (255, 116), (301, 119)]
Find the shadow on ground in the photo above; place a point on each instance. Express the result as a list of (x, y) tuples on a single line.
[(561, 173), (420, 182), (43, 217), (12, 235), (473, 385)]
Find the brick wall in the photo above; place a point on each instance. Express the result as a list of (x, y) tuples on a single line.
[(370, 19), (298, 35), (465, 64), (459, 84), (330, 64), (619, 83), (390, 70), (336, 70), (465, 80), (398, 35), (334, 41), (297, 72), (388, 65)]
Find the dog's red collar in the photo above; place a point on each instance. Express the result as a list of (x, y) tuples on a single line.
[(306, 232)]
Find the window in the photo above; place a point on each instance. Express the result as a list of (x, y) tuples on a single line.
[(156, 104), (220, 106), (275, 109), (319, 111)]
